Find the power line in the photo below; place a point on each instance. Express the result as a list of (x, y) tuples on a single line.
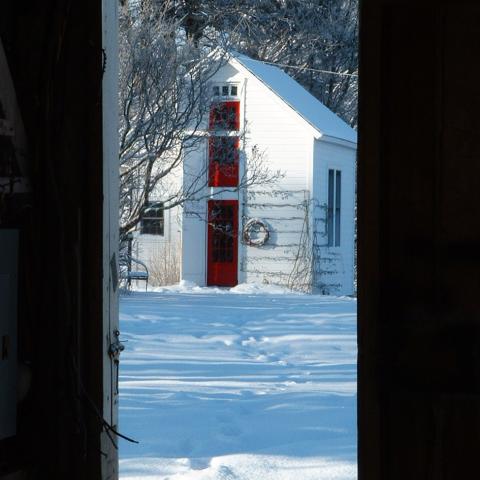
[(310, 69)]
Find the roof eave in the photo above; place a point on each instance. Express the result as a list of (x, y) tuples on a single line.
[(339, 141), (317, 134)]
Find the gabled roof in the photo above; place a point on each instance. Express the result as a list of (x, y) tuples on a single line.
[(292, 93)]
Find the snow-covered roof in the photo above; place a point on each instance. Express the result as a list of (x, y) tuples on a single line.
[(305, 104)]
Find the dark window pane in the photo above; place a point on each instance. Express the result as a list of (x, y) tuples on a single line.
[(225, 90), (224, 150), (152, 226), (216, 90), (225, 116), (330, 207), (338, 197), (223, 155), (221, 222), (152, 222), (153, 209), (233, 90)]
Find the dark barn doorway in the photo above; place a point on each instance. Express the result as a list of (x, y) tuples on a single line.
[(57, 195), (419, 330)]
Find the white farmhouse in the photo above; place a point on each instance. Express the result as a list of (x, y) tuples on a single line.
[(299, 232)]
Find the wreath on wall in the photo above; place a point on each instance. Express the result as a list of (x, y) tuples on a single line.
[(255, 232)]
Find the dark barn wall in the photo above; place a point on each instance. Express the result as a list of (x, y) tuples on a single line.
[(54, 51), (419, 240)]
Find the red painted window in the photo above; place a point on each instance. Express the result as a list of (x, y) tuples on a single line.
[(223, 161), (225, 116), (222, 263)]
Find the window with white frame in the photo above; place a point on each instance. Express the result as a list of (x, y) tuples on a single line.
[(334, 207), (152, 219), (225, 90)]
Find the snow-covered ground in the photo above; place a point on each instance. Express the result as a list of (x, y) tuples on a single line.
[(246, 384)]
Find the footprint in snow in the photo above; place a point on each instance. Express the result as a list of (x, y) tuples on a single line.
[(200, 463)]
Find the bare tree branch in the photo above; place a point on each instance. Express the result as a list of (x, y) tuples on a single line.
[(165, 99)]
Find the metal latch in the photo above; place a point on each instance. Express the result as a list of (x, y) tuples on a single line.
[(116, 347)]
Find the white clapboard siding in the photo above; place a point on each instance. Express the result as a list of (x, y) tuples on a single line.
[(291, 141), (335, 265), (285, 217), (194, 249), (149, 248), (283, 137), (278, 132), (193, 242)]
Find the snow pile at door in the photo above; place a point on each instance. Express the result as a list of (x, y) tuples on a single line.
[(238, 385)]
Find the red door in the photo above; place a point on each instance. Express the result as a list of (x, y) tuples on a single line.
[(222, 264)]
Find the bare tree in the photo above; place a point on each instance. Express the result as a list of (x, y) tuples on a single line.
[(313, 37), (164, 102)]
